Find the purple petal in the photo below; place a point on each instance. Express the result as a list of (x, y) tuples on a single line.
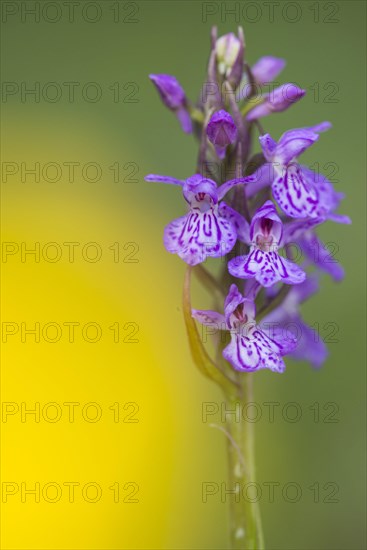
[(281, 341), (322, 127), (283, 96), (221, 129), (266, 212), (321, 256), (329, 198), (296, 296), (266, 267), (291, 273), (198, 235), (163, 179), (225, 187), (267, 68), (292, 144), (196, 185), (246, 267), (295, 195), (264, 109), (170, 90), (210, 318), (293, 230), (251, 289), (310, 347), (277, 101), (268, 146), (339, 218), (263, 177), (251, 353), (241, 225), (233, 300), (185, 120), (173, 96)]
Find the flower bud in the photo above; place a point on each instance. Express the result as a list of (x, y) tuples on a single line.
[(173, 96), (267, 68), (227, 48), (229, 51), (277, 101), (221, 132)]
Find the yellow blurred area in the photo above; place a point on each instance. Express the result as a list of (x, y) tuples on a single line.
[(85, 347)]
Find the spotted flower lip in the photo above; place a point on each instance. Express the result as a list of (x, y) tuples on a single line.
[(287, 318), (211, 227), (299, 192), (263, 263), (277, 101), (173, 96), (329, 199), (221, 132), (251, 348)]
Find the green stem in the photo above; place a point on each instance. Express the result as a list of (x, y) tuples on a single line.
[(245, 522), (196, 114)]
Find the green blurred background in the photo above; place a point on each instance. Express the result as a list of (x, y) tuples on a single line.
[(170, 452)]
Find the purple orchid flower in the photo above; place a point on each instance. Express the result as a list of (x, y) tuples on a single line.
[(251, 347), (221, 132), (287, 318), (263, 262), (267, 68), (299, 192), (173, 96), (211, 227), (277, 101)]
